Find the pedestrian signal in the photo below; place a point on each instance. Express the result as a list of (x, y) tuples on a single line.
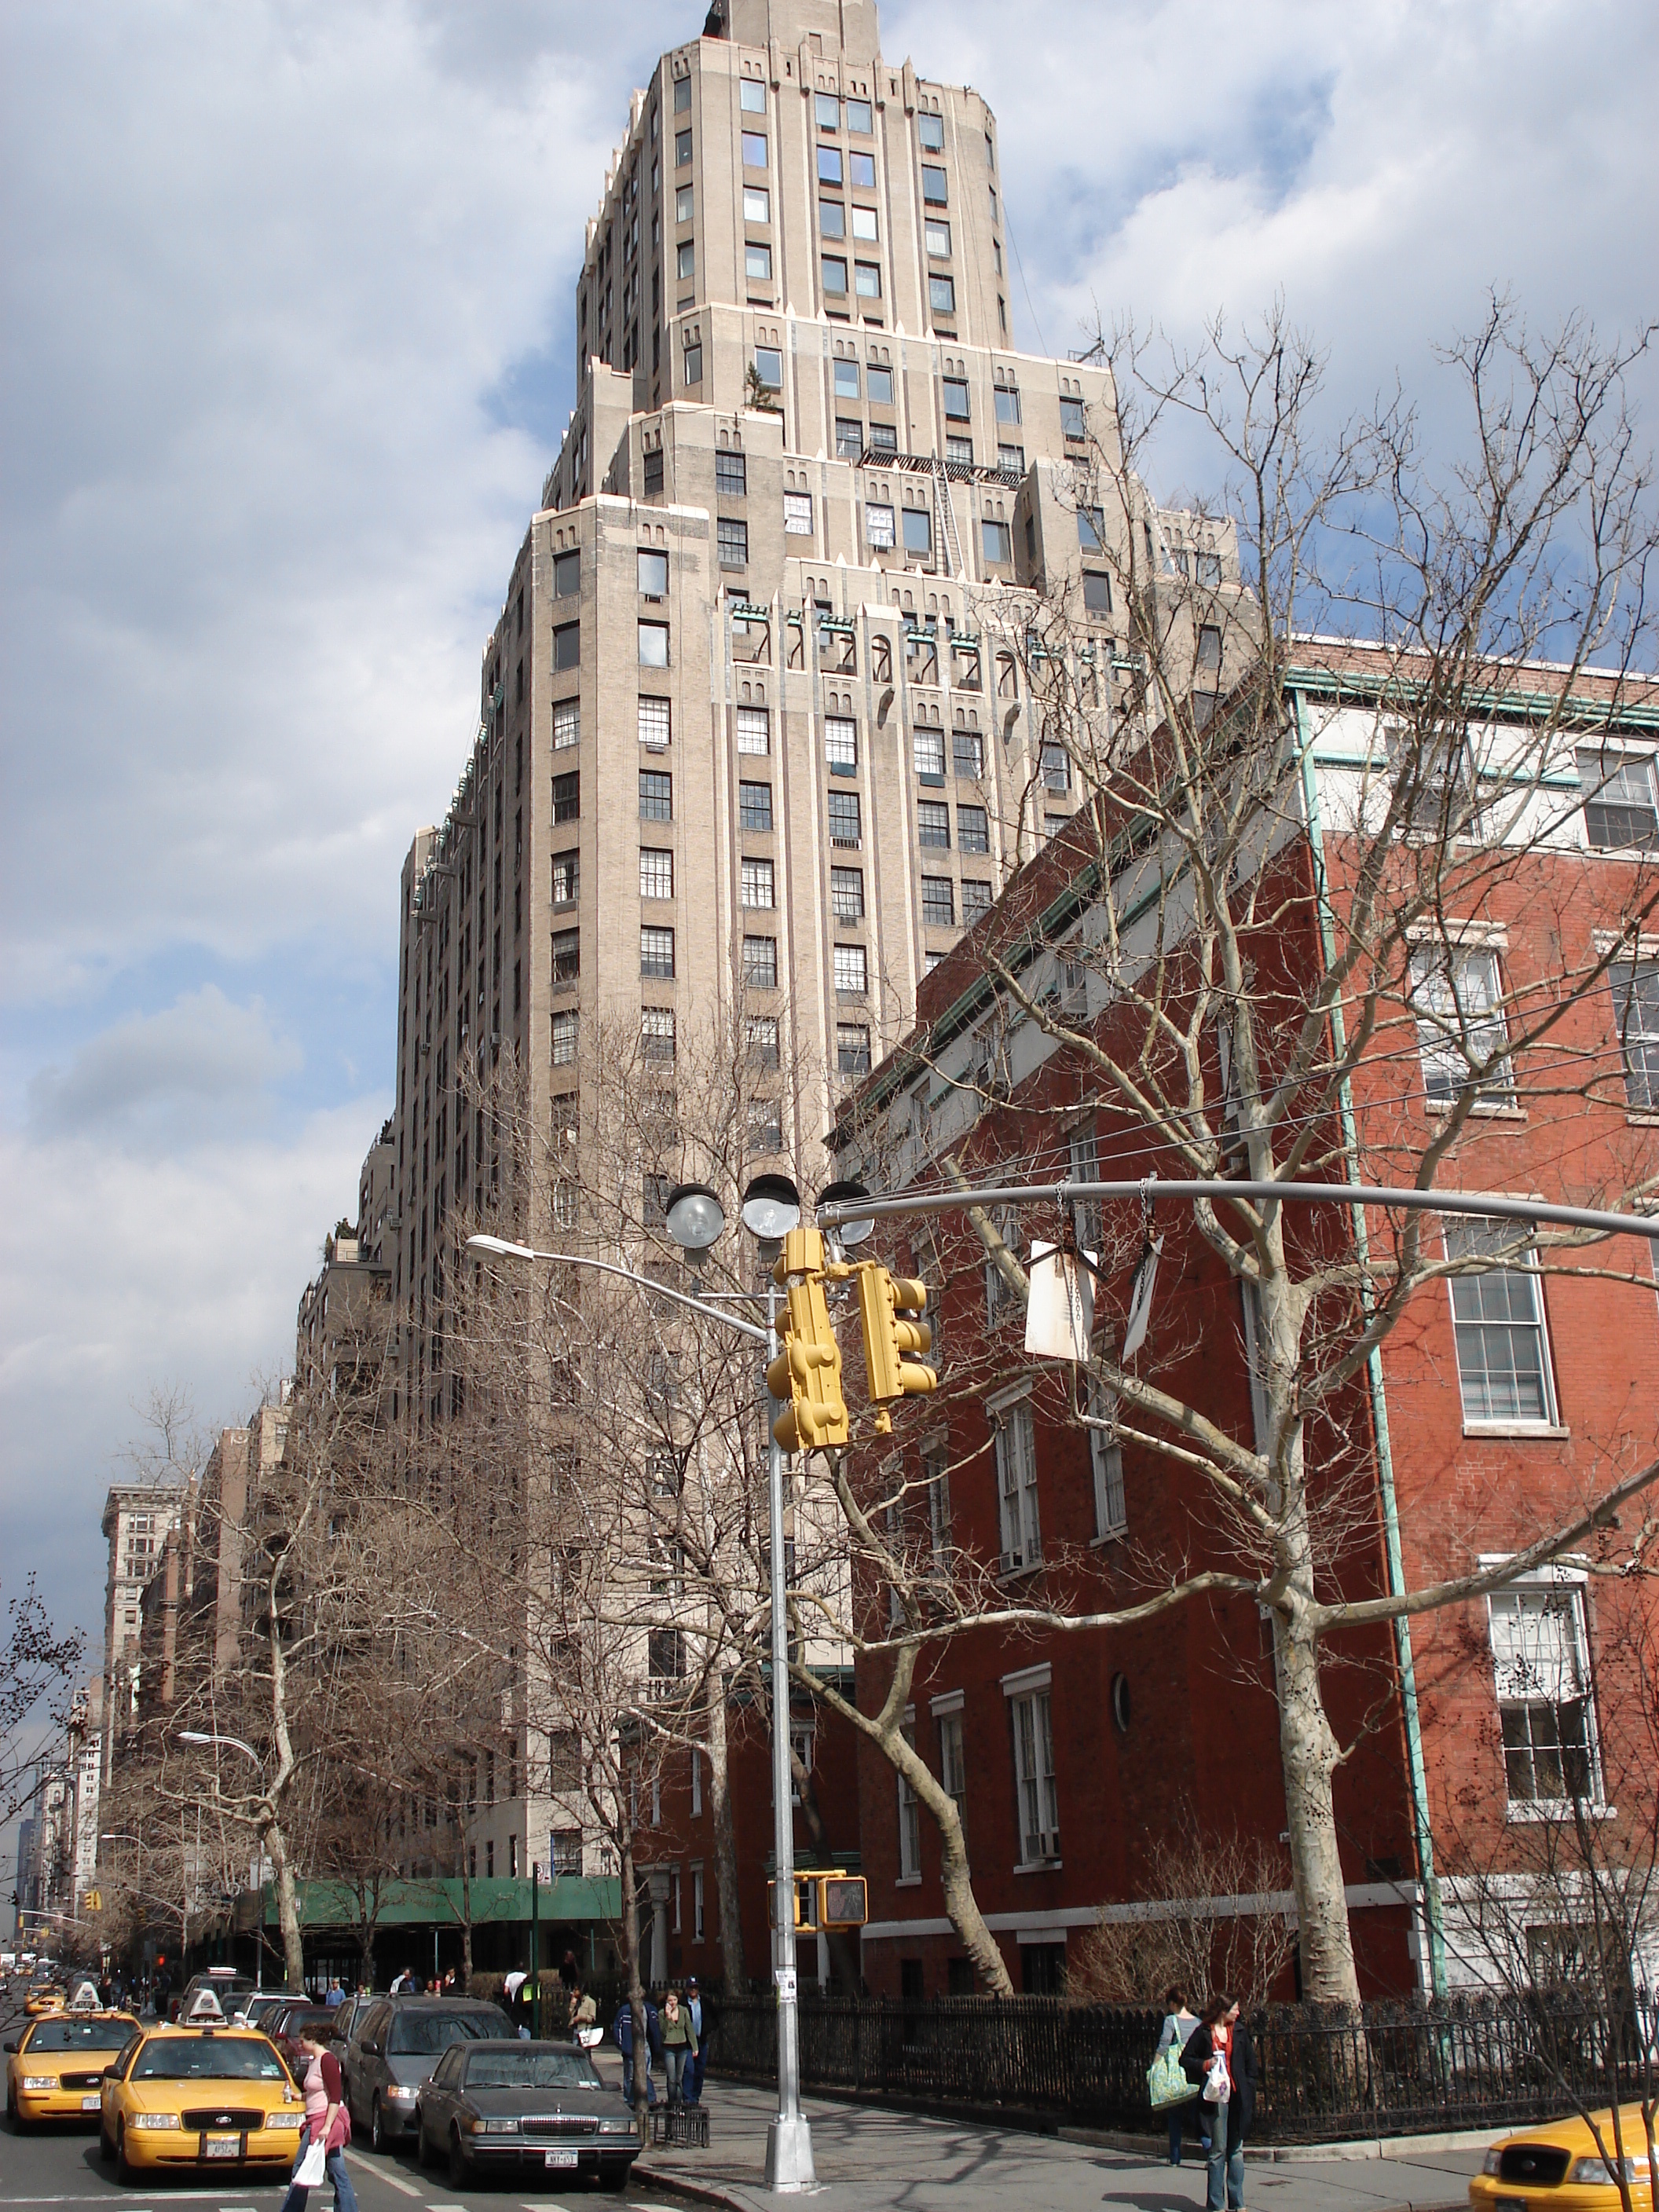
[(885, 1304), (806, 1372), (843, 1901)]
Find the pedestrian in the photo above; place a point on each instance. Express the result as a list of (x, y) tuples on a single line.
[(1179, 2022), (622, 2029), (1221, 2058), (569, 1972), (583, 2017), (679, 2043), (327, 2121), (692, 2086), (335, 1994)]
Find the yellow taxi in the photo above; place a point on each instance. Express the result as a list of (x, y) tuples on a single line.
[(44, 1997), (56, 2071), (201, 2098), (1561, 2168)]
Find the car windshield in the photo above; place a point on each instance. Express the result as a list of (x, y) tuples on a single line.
[(207, 2058), (80, 2035), (423, 2034), (530, 2070)]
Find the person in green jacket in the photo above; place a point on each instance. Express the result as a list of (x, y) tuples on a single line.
[(679, 2042)]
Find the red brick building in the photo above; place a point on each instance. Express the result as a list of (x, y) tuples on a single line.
[(1498, 1404)]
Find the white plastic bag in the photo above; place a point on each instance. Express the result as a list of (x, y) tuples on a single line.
[(1215, 2080), (313, 2169)]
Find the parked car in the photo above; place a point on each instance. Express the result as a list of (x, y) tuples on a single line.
[(397, 2043), (202, 2097), (1559, 2168), (288, 2022), (523, 2106), (256, 2010)]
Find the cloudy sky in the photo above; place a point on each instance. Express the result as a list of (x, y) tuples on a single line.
[(286, 331)]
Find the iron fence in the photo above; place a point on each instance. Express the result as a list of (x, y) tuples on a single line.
[(1391, 2070)]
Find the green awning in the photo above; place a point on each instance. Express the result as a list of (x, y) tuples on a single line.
[(429, 1903)]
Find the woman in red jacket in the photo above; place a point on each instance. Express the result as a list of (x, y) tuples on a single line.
[(1221, 2034)]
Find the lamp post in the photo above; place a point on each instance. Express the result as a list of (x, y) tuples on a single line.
[(695, 1219)]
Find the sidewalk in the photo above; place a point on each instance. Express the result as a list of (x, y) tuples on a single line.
[(870, 2159)]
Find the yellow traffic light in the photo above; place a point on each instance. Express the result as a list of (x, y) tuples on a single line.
[(884, 1303), (807, 1371)]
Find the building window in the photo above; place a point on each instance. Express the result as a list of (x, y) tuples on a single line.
[(567, 575), (652, 470), (955, 398), (1433, 777), (1013, 458), (973, 834), (685, 203), (827, 108), (1497, 1319), (841, 743), (847, 380), (567, 956), (685, 260), (567, 797), (832, 221), (760, 963), (567, 723), (693, 373), (852, 971), (878, 527), (1034, 1777), (754, 806), (1020, 1532), (849, 439), (1540, 1663), (798, 514), (657, 952), (847, 894), (656, 872), (835, 274), (865, 224), (566, 1207), (1106, 1463), (861, 117), (1456, 997), (829, 167), (879, 382), (1636, 1012), (653, 574), (919, 532), (564, 1040), (866, 274), (682, 150), (1096, 593), (883, 438), (1072, 424), (852, 1048), (1092, 528), (653, 645), (1008, 399), (953, 1764), (909, 1820), (968, 754), (934, 823), (754, 149), (960, 449), (845, 822), (656, 724), (757, 203), (731, 475), (566, 872), (567, 645), (997, 542), (752, 96), (1622, 813), (758, 263), (1056, 768), (656, 1033), (938, 903), (927, 753), (935, 192), (732, 537), (761, 1037), (567, 1851), (755, 884), (754, 731), (942, 295), (656, 795), (975, 900), (769, 367)]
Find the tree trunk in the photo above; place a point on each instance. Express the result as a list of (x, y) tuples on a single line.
[(1309, 1756), (641, 2061), (726, 1838), (287, 1905)]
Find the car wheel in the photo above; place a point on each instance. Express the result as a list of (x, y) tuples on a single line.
[(422, 2155), (461, 2169), (613, 2173), (124, 2166), (376, 2129)]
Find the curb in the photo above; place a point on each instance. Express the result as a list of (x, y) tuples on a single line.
[(1363, 2147)]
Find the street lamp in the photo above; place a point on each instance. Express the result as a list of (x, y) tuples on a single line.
[(696, 1219)]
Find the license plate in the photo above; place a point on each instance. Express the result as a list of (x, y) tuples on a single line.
[(222, 2146), (565, 2157), (91, 2103), (1512, 2204)]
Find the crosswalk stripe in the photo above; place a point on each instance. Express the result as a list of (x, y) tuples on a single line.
[(377, 2168)]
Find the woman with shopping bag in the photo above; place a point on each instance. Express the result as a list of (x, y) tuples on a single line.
[(1220, 2058), (327, 2131), (1171, 2091)]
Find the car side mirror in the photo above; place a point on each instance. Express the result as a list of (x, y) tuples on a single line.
[(110, 2073), (371, 2050), (11, 2046)]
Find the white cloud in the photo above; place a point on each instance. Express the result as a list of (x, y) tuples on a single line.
[(203, 1061)]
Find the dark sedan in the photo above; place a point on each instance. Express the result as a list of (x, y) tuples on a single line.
[(523, 2106)]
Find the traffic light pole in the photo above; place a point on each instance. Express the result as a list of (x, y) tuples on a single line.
[(789, 2136)]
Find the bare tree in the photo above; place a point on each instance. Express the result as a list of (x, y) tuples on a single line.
[(38, 1668)]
